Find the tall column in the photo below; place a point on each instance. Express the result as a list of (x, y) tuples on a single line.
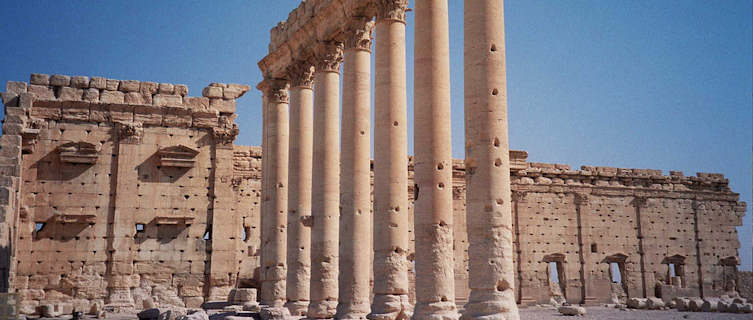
[(390, 165), (433, 221), (274, 192), (325, 201), (355, 187), (299, 198), (487, 161)]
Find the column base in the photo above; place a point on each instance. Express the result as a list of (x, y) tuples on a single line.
[(438, 310), (491, 305), (274, 313), (120, 300), (297, 308), (352, 311), (323, 309), (391, 307)]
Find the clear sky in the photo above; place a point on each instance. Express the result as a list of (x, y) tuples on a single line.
[(638, 84)]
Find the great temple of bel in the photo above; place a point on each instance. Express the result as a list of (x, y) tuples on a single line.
[(118, 192)]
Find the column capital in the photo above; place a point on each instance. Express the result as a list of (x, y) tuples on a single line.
[(640, 201), (391, 10), (301, 74), (274, 90), (328, 55), (358, 33), (581, 198)]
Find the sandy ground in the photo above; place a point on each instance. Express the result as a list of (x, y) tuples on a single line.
[(603, 313)]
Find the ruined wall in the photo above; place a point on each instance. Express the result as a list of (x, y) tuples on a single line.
[(127, 191), (638, 219), (113, 192)]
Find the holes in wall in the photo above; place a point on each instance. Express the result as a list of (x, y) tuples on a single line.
[(594, 248), (493, 48), (495, 92)]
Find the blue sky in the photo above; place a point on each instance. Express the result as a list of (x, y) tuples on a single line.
[(638, 84)]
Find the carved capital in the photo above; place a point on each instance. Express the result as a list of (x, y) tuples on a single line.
[(301, 74), (274, 90), (225, 133), (581, 198), (328, 56), (358, 33), (130, 132), (391, 10), (640, 202), (518, 195)]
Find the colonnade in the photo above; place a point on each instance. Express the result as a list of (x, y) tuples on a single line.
[(318, 231)]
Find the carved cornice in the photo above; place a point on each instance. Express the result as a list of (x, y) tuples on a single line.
[(581, 198), (274, 90), (391, 10), (301, 74), (359, 32), (329, 55), (227, 131)]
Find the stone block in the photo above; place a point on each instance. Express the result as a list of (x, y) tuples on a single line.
[(572, 310), (40, 79), (181, 89), (191, 291), (81, 82), (134, 98), (149, 87), (653, 303), (12, 128), (98, 83), (222, 105), (75, 111), (121, 112), (15, 87), (147, 114), (9, 100), (212, 92), (166, 88), (108, 96), (176, 117), (163, 100), (58, 80), (241, 295), (99, 113), (68, 93), (42, 92), (112, 84), (129, 86), (205, 119), (91, 94), (196, 103)]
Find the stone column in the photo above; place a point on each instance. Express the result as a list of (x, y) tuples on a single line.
[(487, 162), (299, 197), (435, 281), (274, 192), (390, 165), (355, 187), (325, 201)]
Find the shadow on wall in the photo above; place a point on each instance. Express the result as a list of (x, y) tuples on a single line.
[(4, 268)]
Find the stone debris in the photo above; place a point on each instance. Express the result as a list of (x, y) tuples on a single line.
[(572, 310)]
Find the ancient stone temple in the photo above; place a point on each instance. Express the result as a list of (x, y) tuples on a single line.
[(118, 192)]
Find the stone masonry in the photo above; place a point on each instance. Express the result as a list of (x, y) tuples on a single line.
[(61, 158), (119, 194)]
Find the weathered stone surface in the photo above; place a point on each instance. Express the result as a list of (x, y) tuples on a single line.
[(222, 105), (81, 82), (68, 93), (197, 103), (42, 92), (212, 92), (107, 96), (98, 83), (148, 87), (60, 80), (15, 87), (167, 100), (91, 94), (181, 89), (572, 310), (129, 85), (39, 79)]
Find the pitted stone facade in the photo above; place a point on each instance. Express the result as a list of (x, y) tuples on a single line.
[(121, 193)]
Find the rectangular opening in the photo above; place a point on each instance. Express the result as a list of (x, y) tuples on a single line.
[(614, 271), (554, 276), (139, 227), (594, 248)]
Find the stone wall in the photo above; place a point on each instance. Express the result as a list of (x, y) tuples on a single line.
[(126, 193), (113, 192)]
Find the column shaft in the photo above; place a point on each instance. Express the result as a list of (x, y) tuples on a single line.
[(390, 166), (435, 282), (355, 189), (487, 161), (274, 193), (299, 198), (325, 201)]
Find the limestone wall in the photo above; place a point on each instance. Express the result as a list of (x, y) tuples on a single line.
[(113, 192), (126, 193)]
